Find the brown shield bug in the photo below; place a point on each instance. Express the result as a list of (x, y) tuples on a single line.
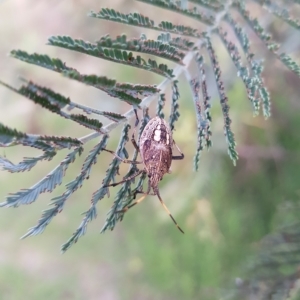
[(156, 149)]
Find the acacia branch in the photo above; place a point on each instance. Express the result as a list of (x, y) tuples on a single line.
[(164, 84)]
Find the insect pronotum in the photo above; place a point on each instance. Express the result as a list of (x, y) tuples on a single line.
[(156, 149)]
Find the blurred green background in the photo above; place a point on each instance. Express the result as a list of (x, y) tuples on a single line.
[(224, 210)]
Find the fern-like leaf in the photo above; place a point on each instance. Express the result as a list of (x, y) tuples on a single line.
[(136, 19), (290, 63), (215, 6), (104, 84), (192, 13), (26, 165), (195, 87), (115, 55), (256, 67), (242, 71), (47, 184), (281, 13), (202, 109), (174, 105), (160, 105), (143, 45), (178, 49), (111, 172), (59, 202), (178, 42), (267, 39), (223, 100), (125, 196), (54, 102), (53, 98), (136, 90), (89, 110), (54, 64), (11, 137), (93, 124)]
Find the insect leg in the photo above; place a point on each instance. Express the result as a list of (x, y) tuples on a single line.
[(148, 190), (133, 204), (140, 199), (127, 179), (137, 120), (167, 210), (178, 157), (142, 192), (127, 161), (135, 127)]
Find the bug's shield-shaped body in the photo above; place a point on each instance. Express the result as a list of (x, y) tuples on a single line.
[(156, 150), (155, 147)]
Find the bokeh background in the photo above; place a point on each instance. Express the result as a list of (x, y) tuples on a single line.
[(224, 210)]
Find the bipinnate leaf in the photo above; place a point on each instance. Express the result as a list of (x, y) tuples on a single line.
[(12, 137), (114, 55), (202, 109), (193, 13), (54, 64), (83, 120), (160, 105), (139, 20), (57, 203), (223, 100), (26, 165), (9, 137), (215, 6), (273, 46), (111, 172), (47, 184), (177, 43), (55, 102), (174, 105), (157, 47), (242, 70), (125, 195), (255, 65), (281, 12)]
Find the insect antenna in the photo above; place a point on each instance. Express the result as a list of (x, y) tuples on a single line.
[(156, 191)]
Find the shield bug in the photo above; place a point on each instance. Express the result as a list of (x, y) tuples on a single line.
[(156, 149)]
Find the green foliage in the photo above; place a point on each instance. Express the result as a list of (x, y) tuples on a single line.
[(143, 45), (273, 46), (223, 100), (136, 19), (54, 64), (112, 53), (202, 109), (174, 105), (283, 14), (59, 202), (10, 137), (180, 50), (47, 184), (160, 105)]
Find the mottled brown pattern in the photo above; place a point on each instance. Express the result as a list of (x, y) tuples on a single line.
[(155, 147), (156, 155)]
